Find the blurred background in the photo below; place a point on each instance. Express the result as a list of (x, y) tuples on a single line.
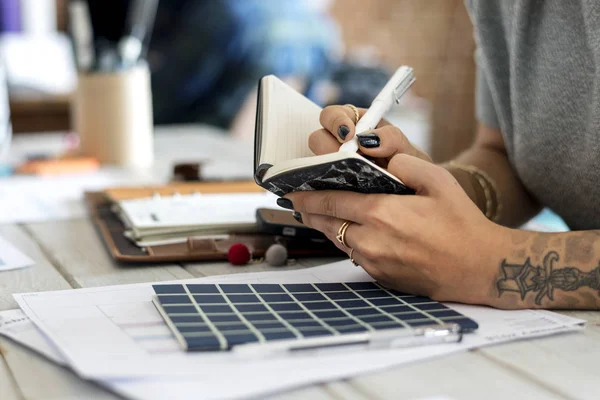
[(206, 56)]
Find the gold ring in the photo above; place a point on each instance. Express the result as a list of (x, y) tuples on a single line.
[(341, 235), (356, 113), (351, 258)]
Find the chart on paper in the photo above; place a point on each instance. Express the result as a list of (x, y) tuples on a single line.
[(124, 315), (133, 325), (116, 331)]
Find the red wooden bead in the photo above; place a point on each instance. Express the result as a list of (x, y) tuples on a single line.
[(238, 254)]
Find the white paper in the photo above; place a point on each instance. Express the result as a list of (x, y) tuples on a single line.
[(116, 332), (181, 211), (11, 258), (38, 199), (15, 325)]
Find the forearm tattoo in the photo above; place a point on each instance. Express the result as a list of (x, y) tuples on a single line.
[(543, 280)]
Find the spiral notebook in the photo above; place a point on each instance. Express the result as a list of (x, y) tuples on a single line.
[(163, 218), (116, 235)]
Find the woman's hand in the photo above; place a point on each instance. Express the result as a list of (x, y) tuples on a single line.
[(435, 243), (381, 144)]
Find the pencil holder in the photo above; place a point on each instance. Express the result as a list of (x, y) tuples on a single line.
[(112, 113)]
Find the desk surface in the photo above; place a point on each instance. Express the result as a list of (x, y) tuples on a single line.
[(68, 254)]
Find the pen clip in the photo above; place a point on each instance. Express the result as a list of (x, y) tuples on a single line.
[(403, 86)]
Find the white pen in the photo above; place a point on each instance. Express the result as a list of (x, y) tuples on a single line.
[(391, 93), (381, 339)]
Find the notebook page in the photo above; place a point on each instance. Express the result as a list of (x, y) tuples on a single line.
[(288, 120), (195, 210)]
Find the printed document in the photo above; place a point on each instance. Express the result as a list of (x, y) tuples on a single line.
[(116, 332)]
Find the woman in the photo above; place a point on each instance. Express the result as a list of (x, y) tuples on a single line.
[(537, 144)]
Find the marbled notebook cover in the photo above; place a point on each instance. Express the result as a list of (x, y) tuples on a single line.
[(349, 174)]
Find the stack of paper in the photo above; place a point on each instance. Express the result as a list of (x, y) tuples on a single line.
[(162, 218), (114, 335)]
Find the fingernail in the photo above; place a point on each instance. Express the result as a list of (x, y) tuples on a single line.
[(343, 131), (285, 203), (369, 140), (297, 216)]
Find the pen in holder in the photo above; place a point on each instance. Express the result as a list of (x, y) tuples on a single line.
[(112, 113)]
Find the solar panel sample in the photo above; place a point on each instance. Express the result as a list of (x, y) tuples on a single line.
[(210, 317)]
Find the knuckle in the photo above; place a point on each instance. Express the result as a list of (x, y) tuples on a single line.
[(328, 205), (372, 270), (378, 213), (340, 119), (402, 141), (376, 274), (299, 201), (313, 140), (370, 250), (439, 176), (327, 114), (307, 220), (329, 227), (446, 175), (394, 135), (412, 255), (324, 113), (316, 138), (397, 160)]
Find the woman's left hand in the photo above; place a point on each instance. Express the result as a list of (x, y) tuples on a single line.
[(435, 243)]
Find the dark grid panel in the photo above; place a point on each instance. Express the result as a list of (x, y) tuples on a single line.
[(218, 317)]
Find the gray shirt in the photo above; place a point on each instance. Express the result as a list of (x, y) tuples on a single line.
[(539, 82)]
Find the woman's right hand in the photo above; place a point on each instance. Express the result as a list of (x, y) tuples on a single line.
[(379, 144)]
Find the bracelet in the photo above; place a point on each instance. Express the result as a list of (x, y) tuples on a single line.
[(490, 190)]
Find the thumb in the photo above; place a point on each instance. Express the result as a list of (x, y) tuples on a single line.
[(422, 176)]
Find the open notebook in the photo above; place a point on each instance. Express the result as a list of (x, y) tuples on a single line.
[(283, 161)]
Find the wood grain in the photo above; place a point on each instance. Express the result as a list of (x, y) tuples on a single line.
[(40, 277), (41, 379), (74, 247), (36, 378), (465, 376), (565, 364), (8, 386)]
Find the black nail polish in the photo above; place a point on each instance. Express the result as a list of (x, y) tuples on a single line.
[(343, 131), (285, 203), (297, 216), (369, 140)]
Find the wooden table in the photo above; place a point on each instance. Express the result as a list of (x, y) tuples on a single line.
[(68, 254)]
